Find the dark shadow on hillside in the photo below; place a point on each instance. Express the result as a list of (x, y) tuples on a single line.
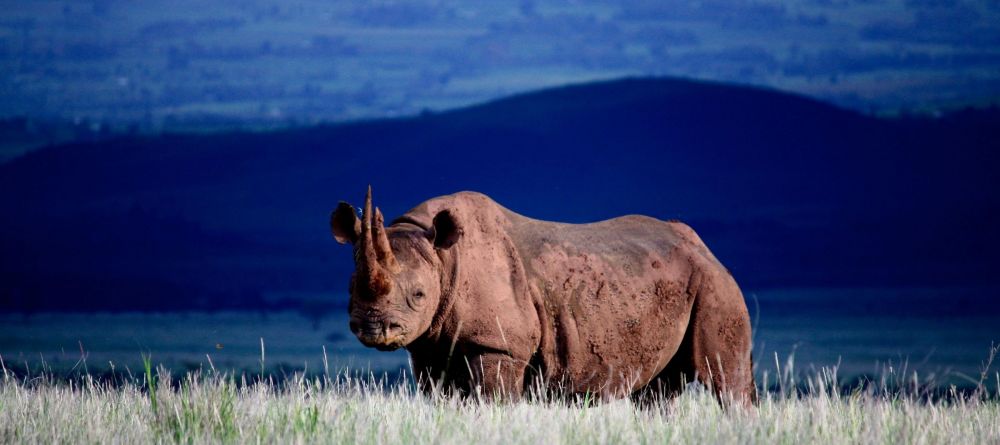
[(787, 191)]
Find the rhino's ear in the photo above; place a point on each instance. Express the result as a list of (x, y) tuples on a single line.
[(445, 231), (344, 224)]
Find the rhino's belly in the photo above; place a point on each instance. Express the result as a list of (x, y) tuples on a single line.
[(624, 339)]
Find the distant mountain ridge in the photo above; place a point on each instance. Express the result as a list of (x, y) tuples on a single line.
[(786, 190)]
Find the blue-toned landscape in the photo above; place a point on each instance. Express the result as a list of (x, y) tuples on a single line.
[(168, 172)]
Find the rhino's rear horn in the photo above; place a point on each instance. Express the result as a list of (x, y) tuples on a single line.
[(382, 248)]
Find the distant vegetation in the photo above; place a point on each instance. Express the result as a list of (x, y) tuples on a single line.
[(317, 61)]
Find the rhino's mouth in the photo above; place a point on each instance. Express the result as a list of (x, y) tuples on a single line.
[(382, 343), (381, 335), (389, 347)]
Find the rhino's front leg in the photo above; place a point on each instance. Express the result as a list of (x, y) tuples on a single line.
[(430, 375), (497, 376)]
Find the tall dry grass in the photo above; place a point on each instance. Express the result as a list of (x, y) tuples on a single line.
[(346, 407)]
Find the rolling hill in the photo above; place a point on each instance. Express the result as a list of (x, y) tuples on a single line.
[(786, 190)]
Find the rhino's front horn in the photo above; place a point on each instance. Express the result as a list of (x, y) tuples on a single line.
[(370, 268)]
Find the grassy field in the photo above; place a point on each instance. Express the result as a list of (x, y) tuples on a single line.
[(155, 407)]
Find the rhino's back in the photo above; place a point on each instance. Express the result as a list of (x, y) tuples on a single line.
[(624, 238)]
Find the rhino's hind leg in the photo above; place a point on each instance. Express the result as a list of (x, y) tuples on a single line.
[(715, 349), (721, 341), (669, 383)]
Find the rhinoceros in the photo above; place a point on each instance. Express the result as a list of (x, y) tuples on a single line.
[(487, 301)]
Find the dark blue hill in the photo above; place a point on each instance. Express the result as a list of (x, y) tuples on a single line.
[(786, 190)]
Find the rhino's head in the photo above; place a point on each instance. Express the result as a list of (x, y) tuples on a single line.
[(396, 285)]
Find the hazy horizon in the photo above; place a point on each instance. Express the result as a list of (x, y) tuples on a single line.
[(154, 62)]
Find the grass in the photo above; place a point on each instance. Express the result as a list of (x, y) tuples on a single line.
[(215, 407)]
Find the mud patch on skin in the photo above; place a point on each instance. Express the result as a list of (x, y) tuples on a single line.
[(630, 315), (732, 332)]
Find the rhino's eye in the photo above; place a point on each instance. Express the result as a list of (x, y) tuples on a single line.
[(415, 300)]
